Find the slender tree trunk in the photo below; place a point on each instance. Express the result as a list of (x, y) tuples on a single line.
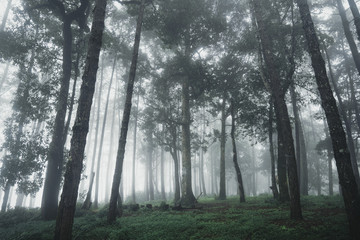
[(304, 180), (297, 127), (87, 202), (253, 169), (162, 177), (107, 189), (342, 157), (330, 157), (234, 152), (5, 16), (348, 35), (136, 113), (202, 179), (222, 193), (355, 12), (65, 216), (271, 148), (173, 152), (150, 168), (54, 170), (96, 201), (347, 123), (125, 120)]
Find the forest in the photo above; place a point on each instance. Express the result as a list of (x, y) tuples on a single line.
[(179, 119)]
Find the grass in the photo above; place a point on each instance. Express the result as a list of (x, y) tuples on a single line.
[(258, 218)]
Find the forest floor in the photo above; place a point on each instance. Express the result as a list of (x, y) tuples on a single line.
[(259, 218)]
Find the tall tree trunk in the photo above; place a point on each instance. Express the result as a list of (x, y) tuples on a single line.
[(110, 157), (356, 14), (253, 169), (125, 120), (271, 148), (136, 113), (150, 168), (173, 152), (304, 180), (202, 179), (87, 202), (54, 170), (234, 152), (96, 201), (297, 127), (162, 177), (348, 35), (342, 157), (346, 120), (187, 198), (5, 16), (281, 112), (222, 193), (329, 158), (65, 216)]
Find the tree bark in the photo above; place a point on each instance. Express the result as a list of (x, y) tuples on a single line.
[(234, 152), (271, 149), (222, 192), (133, 181), (356, 14), (87, 202), (346, 120), (329, 158), (348, 35), (65, 216), (281, 112), (125, 120), (187, 198), (342, 157)]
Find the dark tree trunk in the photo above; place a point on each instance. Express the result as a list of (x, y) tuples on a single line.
[(55, 156), (65, 216), (222, 193), (234, 152), (342, 157), (356, 14), (125, 120), (347, 122), (187, 198), (348, 35), (54, 170), (281, 112), (173, 152), (93, 159), (271, 148)]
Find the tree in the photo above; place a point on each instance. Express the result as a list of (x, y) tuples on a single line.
[(65, 216), (49, 202), (283, 121), (337, 134), (356, 14), (125, 120)]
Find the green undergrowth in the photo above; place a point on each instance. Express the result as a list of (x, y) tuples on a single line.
[(259, 218)]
